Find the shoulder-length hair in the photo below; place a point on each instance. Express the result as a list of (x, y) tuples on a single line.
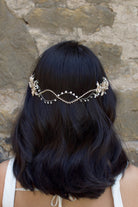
[(68, 149)]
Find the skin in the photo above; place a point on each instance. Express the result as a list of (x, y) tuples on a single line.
[(128, 188)]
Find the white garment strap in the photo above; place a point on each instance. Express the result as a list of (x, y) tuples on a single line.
[(116, 192), (9, 186)]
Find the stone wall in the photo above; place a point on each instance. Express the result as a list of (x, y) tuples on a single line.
[(108, 27)]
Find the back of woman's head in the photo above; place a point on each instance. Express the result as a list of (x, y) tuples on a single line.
[(68, 148)]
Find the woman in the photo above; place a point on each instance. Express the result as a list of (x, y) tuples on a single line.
[(66, 150)]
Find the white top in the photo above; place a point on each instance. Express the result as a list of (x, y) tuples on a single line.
[(10, 188)]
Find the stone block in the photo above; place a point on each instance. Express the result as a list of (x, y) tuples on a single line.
[(49, 3), (109, 55), (127, 113), (5, 143), (98, 1), (18, 50), (10, 105), (53, 20), (20, 7)]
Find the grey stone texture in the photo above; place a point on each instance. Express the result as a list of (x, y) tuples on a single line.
[(108, 27), (55, 18), (18, 50), (109, 55), (127, 115)]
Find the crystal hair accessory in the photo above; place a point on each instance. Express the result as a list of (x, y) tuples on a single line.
[(100, 90)]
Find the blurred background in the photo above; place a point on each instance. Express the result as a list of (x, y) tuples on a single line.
[(108, 27)]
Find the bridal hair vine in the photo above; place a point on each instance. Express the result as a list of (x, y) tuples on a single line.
[(93, 93)]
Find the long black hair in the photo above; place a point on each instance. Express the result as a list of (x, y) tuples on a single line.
[(68, 149)]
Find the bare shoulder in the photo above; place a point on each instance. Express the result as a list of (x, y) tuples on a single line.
[(3, 168), (129, 186), (131, 174)]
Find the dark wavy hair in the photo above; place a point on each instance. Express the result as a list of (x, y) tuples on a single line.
[(68, 149)]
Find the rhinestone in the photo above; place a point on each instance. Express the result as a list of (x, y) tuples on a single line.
[(65, 91), (61, 93), (70, 92), (50, 102), (73, 94), (54, 99), (85, 100), (47, 102), (58, 95), (76, 96)]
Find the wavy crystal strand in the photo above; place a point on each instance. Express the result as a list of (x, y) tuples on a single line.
[(99, 90)]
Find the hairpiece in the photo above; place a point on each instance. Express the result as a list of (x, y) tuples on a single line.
[(99, 90)]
